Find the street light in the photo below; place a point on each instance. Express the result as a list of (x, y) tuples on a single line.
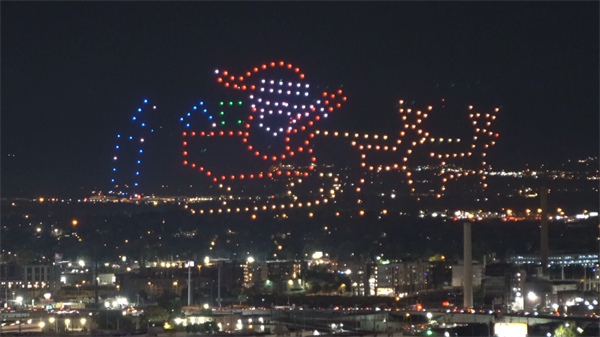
[(52, 320)]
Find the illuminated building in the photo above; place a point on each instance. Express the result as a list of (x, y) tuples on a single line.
[(458, 274), (358, 273), (557, 260), (157, 281), (393, 278), (285, 276)]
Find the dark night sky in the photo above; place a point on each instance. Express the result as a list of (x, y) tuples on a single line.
[(72, 72)]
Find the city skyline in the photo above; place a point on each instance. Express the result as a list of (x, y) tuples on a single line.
[(307, 168)]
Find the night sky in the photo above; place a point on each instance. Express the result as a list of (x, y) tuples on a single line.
[(72, 73)]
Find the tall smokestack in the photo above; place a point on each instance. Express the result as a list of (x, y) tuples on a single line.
[(219, 287), (544, 225), (189, 283), (468, 268)]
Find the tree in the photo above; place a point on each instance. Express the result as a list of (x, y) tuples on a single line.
[(567, 330), (171, 303), (210, 326), (315, 287), (509, 253), (156, 314), (26, 257), (143, 295), (437, 257), (194, 328), (113, 319)]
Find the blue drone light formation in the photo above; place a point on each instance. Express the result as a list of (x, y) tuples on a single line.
[(189, 114), (128, 182)]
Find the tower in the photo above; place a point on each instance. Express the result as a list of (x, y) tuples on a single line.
[(544, 228), (468, 267)]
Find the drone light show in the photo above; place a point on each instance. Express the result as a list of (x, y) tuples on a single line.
[(129, 152), (272, 123), (419, 156), (258, 145)]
